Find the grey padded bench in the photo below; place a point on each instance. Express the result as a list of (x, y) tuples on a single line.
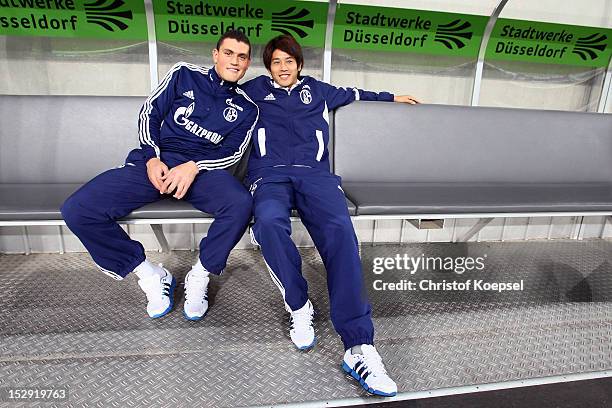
[(396, 161), (51, 145), (437, 161)]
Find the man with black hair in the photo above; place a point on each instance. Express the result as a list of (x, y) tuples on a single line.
[(194, 125), (289, 168)]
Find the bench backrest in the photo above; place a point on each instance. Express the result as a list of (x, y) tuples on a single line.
[(65, 139), (69, 139), (391, 142)]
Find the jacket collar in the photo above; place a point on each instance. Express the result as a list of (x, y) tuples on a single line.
[(218, 81), (286, 88)]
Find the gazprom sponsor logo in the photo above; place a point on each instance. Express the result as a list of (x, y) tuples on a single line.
[(181, 118), (233, 105)]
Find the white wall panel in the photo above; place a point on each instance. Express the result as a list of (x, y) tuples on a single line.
[(562, 227), (445, 88), (65, 78), (44, 238), (412, 234), (11, 240), (178, 236), (592, 227), (562, 90), (537, 228), (515, 229), (363, 230), (71, 242), (67, 66), (388, 231), (462, 226), (606, 228), (492, 231)]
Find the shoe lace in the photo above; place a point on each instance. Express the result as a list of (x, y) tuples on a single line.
[(154, 289), (197, 288), (374, 363), (302, 319)]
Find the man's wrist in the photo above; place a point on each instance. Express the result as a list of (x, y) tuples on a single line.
[(152, 158), (195, 166)]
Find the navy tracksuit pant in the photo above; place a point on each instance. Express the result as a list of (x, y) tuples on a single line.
[(321, 204), (91, 211)]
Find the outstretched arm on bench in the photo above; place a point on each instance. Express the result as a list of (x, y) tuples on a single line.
[(406, 99)]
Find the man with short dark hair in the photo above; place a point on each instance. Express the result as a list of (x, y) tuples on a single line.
[(289, 168), (194, 125)]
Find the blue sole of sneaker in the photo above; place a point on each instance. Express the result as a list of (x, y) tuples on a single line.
[(171, 305), (356, 376), (195, 318), (308, 347)]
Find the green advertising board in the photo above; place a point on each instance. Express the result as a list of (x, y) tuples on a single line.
[(356, 27), (427, 32), (105, 19), (197, 20), (518, 40), (393, 29)]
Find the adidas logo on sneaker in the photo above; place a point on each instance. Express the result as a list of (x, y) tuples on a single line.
[(189, 94), (366, 366), (269, 97)]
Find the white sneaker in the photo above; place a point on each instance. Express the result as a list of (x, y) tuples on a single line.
[(196, 299), (160, 293), (302, 333), (369, 370)]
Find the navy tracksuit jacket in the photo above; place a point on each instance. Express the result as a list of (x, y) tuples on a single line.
[(289, 168), (193, 115)]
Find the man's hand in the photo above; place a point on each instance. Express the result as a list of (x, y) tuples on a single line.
[(405, 99), (156, 170), (179, 179)]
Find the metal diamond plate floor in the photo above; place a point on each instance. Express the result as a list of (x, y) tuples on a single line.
[(63, 323)]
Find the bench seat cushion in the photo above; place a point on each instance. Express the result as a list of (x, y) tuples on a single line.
[(481, 198), (30, 202)]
